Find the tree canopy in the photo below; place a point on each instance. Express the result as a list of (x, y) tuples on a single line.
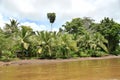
[(111, 31)]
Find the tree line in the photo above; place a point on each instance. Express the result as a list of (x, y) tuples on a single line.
[(80, 37)]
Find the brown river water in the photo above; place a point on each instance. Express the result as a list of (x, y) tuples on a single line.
[(106, 69)]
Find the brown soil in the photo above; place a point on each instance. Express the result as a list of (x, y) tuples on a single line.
[(47, 61)]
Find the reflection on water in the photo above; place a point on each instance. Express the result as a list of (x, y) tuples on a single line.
[(108, 69)]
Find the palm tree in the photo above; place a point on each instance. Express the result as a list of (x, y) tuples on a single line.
[(45, 43), (51, 17), (100, 41), (66, 45), (24, 35), (56, 45), (7, 46), (12, 27)]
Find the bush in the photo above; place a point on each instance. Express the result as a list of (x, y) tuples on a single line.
[(99, 54), (117, 51), (83, 54), (7, 56)]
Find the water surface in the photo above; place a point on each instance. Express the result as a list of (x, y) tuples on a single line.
[(108, 69)]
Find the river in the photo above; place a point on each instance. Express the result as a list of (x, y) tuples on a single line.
[(106, 69)]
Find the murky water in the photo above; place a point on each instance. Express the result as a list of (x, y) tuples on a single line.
[(108, 69)]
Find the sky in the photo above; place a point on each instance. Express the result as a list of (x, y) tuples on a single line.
[(34, 12)]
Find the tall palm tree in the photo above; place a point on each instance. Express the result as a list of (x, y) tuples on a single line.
[(51, 17)]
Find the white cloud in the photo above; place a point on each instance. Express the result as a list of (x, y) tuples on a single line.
[(106, 8), (34, 26), (24, 6), (82, 6), (2, 21)]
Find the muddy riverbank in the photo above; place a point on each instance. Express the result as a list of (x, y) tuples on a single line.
[(48, 61)]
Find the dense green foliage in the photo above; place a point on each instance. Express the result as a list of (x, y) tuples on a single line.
[(111, 31), (78, 38)]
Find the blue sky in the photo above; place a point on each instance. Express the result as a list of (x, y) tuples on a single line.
[(33, 12)]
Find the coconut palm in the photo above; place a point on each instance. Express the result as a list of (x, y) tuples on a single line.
[(100, 41), (66, 45), (23, 40), (12, 27), (91, 43), (55, 45), (44, 38), (6, 46)]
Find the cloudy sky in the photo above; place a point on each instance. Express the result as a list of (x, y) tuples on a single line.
[(33, 12)]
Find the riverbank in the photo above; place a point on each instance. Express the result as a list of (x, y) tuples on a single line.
[(48, 61)]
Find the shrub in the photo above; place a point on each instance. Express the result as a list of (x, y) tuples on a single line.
[(117, 51), (7, 55), (83, 54)]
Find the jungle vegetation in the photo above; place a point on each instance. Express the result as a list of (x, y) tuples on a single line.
[(80, 37)]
